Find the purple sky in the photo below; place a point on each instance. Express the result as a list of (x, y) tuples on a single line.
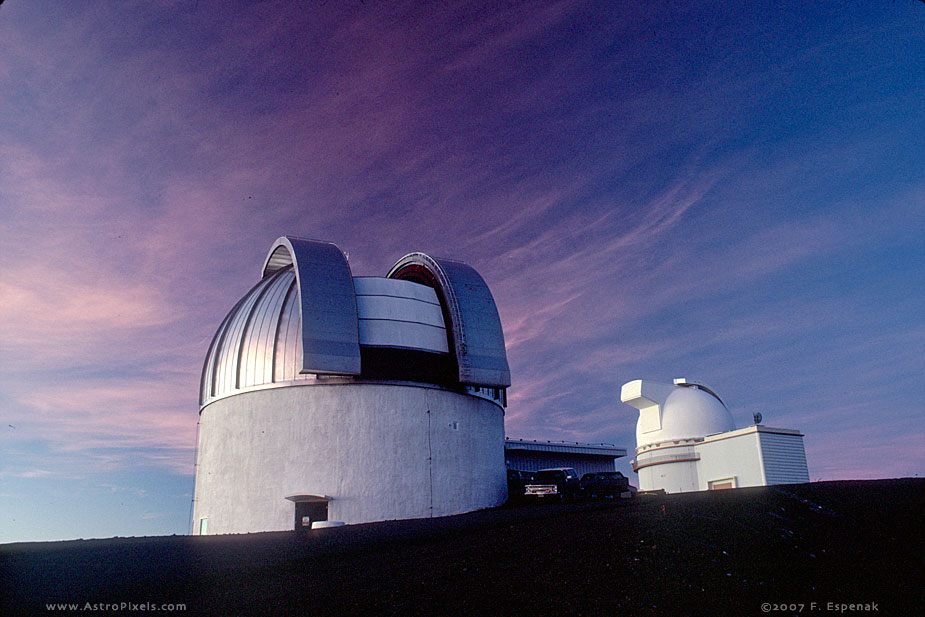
[(733, 194)]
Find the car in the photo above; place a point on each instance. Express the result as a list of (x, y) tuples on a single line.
[(603, 484), (516, 483), (557, 484)]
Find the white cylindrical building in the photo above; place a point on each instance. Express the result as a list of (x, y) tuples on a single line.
[(329, 397)]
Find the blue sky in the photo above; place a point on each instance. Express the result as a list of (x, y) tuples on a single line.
[(729, 193)]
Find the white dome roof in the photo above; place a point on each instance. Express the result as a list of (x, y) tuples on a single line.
[(691, 412), (676, 412)]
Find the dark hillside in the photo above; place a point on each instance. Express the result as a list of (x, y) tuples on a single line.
[(720, 553)]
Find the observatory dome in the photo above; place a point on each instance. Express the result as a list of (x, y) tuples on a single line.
[(686, 440), (328, 396), (430, 320), (675, 412), (690, 412)]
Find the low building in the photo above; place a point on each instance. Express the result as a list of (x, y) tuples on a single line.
[(686, 440), (532, 455)]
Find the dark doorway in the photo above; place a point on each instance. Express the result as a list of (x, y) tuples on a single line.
[(307, 512)]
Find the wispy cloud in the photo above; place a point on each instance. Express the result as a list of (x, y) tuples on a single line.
[(32, 473), (137, 492), (646, 196), (110, 423)]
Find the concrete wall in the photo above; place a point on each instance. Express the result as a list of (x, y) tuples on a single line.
[(378, 451), (752, 456), (736, 457), (672, 477)]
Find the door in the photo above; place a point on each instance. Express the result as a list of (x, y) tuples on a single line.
[(307, 512)]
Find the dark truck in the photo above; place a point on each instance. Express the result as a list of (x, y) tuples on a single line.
[(517, 483), (556, 484), (606, 484)]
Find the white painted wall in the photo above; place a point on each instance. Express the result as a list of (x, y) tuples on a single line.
[(366, 446), (754, 456), (672, 477), (737, 456)]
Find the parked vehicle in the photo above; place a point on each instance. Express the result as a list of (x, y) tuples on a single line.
[(556, 484), (516, 483), (606, 484)]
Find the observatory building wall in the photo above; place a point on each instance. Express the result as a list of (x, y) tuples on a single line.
[(674, 471), (327, 398), (375, 451), (735, 457), (533, 455), (752, 456), (686, 441)]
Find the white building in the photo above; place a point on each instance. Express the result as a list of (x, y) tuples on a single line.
[(686, 440), (326, 396)]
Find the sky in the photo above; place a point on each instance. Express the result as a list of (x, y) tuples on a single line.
[(727, 192)]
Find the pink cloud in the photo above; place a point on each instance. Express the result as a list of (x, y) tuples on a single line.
[(140, 197), (47, 311), (497, 35), (108, 422), (862, 453)]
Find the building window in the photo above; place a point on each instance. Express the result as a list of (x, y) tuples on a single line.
[(204, 525), (724, 484)]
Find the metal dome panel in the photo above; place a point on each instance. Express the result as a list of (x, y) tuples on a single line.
[(258, 344), (308, 316), (399, 314), (475, 325), (243, 351), (327, 303), (675, 412)]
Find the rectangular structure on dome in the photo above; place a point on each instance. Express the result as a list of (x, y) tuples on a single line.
[(399, 314)]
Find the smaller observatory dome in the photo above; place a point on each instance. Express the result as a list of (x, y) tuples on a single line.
[(692, 412), (675, 412)]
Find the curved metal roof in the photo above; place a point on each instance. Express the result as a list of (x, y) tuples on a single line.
[(476, 333), (309, 316), (675, 412), (327, 303)]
